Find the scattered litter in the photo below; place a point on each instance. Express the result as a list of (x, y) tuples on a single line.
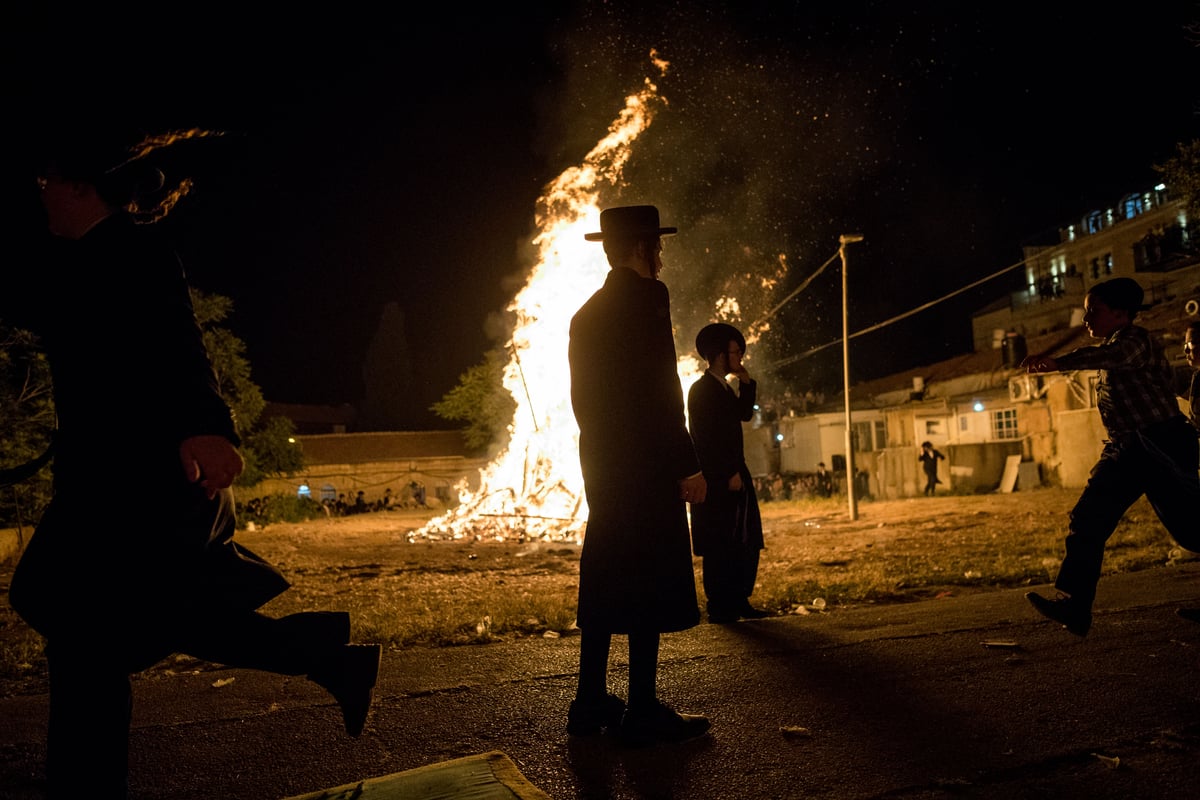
[(818, 603), (947, 783), (222, 682), (972, 573), (1003, 645), (795, 732), (801, 610), (550, 635), (1171, 740), (1112, 762)]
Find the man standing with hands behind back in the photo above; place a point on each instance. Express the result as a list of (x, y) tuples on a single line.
[(639, 471)]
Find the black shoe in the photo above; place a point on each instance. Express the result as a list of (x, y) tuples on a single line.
[(1190, 614), (591, 718), (1064, 611), (722, 614), (351, 680), (750, 612), (641, 727)]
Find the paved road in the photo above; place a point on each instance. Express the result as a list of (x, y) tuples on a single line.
[(897, 701)]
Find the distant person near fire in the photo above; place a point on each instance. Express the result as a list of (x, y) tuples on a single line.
[(823, 481), (1151, 450), (1191, 341), (929, 458), (639, 471)]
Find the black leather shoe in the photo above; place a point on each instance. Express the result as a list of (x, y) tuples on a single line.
[(350, 678), (722, 614), (586, 718), (1064, 611), (1190, 614), (641, 727), (750, 612)]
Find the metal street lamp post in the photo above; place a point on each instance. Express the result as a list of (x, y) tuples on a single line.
[(845, 239)]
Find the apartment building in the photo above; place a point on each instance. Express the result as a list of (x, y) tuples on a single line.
[(1000, 428)]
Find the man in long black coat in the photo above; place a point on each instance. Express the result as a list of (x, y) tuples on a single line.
[(726, 527), (639, 470), (134, 558)]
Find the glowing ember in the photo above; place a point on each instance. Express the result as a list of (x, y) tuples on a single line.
[(534, 489)]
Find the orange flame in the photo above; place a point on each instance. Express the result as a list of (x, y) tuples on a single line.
[(534, 489)]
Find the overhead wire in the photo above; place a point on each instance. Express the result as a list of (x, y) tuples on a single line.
[(754, 325), (892, 320)]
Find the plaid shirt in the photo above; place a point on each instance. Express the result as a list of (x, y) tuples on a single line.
[(1136, 388)]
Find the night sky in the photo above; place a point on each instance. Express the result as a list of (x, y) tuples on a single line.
[(371, 160)]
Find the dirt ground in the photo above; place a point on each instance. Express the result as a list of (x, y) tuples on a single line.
[(914, 548), (994, 513), (921, 525)]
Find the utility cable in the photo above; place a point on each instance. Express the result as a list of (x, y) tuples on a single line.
[(792, 359), (795, 292)]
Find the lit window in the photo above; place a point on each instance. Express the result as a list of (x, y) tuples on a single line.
[(1134, 205), (1004, 424)]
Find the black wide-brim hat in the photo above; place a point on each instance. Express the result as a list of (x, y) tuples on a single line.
[(715, 336), (629, 222)]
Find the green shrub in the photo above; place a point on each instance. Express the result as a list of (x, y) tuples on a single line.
[(278, 508)]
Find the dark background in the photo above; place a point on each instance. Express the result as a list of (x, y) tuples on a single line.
[(371, 159)]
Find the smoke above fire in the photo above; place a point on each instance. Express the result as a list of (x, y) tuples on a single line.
[(534, 488), (756, 152)]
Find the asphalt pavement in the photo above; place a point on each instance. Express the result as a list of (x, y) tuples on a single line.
[(961, 696)]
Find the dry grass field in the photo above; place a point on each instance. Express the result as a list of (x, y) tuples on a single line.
[(408, 591)]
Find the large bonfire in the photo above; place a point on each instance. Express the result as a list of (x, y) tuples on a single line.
[(534, 489)]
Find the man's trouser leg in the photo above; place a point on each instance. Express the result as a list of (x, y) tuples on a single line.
[(87, 747), (747, 565), (1172, 482), (297, 644), (721, 582), (1113, 487)]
